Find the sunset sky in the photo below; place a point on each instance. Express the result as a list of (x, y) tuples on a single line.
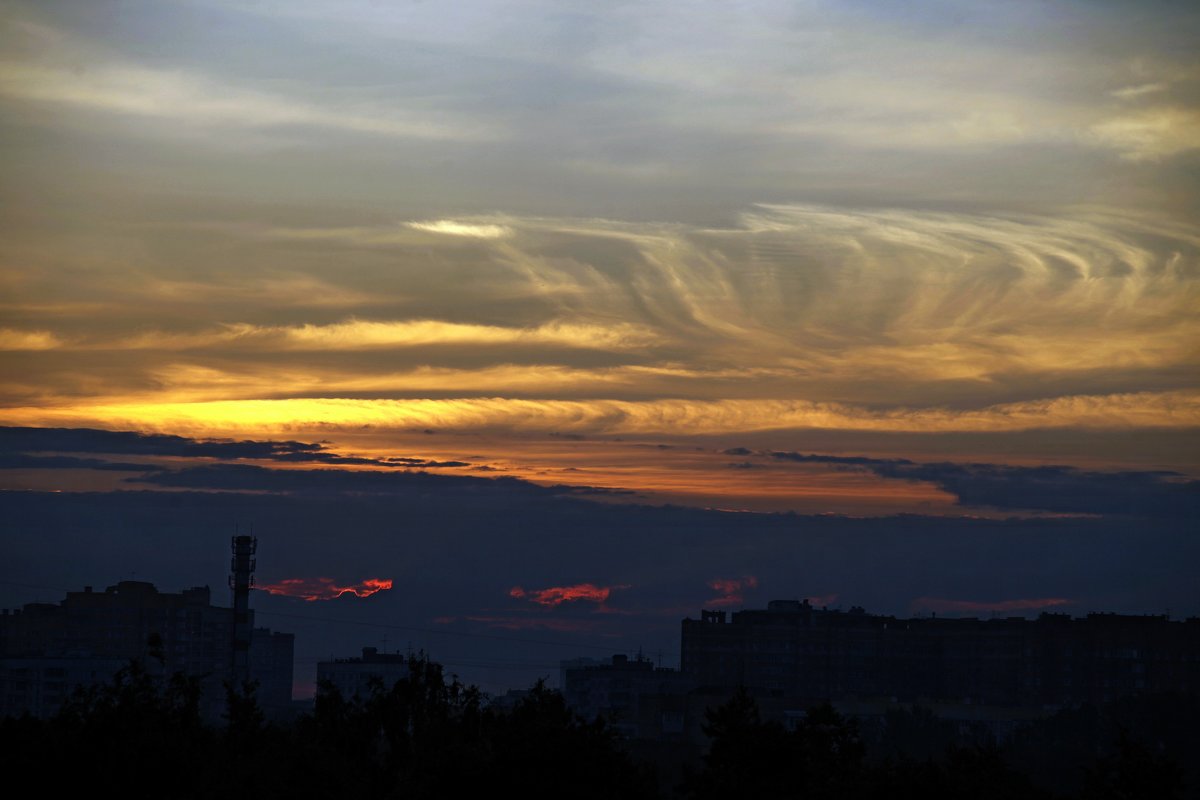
[(860, 259)]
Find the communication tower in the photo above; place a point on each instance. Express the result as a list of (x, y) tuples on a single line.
[(241, 580)]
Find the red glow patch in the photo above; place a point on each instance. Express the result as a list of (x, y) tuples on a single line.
[(557, 595), (1027, 604), (823, 599), (313, 589), (731, 590)]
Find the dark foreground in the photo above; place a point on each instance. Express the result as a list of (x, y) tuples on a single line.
[(432, 737)]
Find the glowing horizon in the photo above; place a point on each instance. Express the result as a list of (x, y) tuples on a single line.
[(904, 242)]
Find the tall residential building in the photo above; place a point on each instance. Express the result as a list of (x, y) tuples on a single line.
[(47, 650), (795, 650)]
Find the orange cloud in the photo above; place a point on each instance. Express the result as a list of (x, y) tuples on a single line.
[(731, 589), (557, 595), (1025, 604), (192, 410), (312, 589)]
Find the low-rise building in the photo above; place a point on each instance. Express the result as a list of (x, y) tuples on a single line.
[(636, 698), (353, 677)]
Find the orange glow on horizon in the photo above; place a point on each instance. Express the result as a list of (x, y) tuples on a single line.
[(183, 414)]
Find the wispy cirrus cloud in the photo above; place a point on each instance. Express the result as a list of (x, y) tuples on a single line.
[(14, 339), (1150, 134), (352, 334), (453, 228), (180, 97), (834, 306)]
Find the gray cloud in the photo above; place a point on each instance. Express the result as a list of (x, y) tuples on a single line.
[(1056, 488), (25, 461), (248, 477), (19, 448), (702, 111)]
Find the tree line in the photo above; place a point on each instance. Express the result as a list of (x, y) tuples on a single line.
[(429, 735)]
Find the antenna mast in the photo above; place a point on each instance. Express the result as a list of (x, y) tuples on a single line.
[(242, 578)]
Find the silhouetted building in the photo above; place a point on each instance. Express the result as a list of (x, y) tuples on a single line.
[(639, 700), (980, 675), (353, 676), (271, 668), (796, 650), (47, 650), (40, 685), (577, 663)]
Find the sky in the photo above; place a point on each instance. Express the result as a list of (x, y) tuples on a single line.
[(847, 270)]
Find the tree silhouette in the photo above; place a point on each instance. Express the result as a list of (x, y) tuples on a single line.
[(543, 747), (1133, 772), (137, 731), (747, 757)]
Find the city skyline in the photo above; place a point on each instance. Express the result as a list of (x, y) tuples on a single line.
[(540, 316)]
